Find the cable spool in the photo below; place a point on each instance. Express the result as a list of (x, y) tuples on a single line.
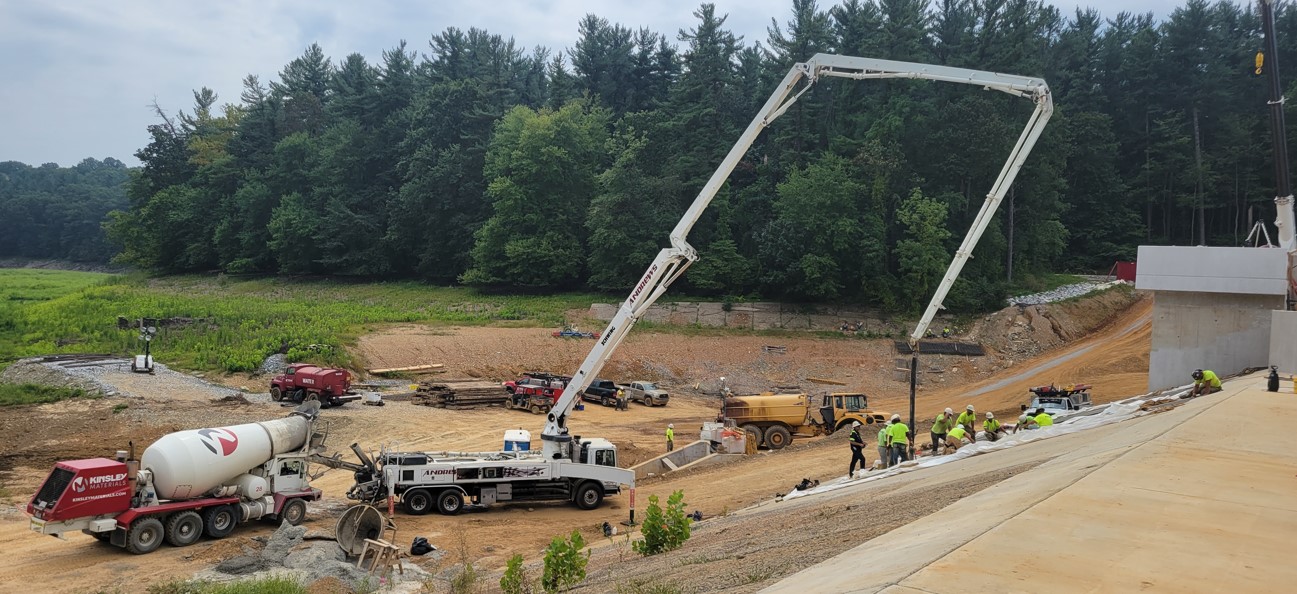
[(356, 525)]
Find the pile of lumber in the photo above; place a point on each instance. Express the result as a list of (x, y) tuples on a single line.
[(459, 394)]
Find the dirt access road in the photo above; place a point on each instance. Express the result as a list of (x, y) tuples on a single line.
[(40, 435)]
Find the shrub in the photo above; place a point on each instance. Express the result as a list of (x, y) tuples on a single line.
[(515, 579), (664, 531), (564, 563)]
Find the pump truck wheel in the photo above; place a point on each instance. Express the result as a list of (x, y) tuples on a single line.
[(450, 502)]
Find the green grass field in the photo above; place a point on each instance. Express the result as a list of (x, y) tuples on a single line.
[(240, 322)]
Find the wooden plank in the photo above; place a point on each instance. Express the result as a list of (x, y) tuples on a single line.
[(410, 368), (820, 380)]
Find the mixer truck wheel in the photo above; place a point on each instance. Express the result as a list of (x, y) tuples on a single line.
[(294, 511), (589, 495), (276, 394), (184, 528), (145, 536), (449, 502), (219, 521), (417, 502), (777, 436)]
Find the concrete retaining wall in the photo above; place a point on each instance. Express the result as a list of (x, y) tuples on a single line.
[(760, 316), (1224, 332), (692, 455), (1283, 341)]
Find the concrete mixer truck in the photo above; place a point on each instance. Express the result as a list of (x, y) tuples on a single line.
[(186, 484)]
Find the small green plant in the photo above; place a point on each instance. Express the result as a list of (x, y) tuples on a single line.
[(120, 407), (465, 580), (664, 530), (564, 563), (515, 579)]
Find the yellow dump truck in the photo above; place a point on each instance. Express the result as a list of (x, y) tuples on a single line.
[(773, 419)]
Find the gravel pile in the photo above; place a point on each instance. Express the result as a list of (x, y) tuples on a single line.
[(1061, 293), (113, 377), (273, 365)]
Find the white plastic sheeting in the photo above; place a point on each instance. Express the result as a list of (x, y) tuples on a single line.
[(1064, 424)]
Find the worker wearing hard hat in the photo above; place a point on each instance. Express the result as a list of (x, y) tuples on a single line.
[(992, 427), (883, 457), (671, 437), (968, 419), (898, 441), (1026, 421), (958, 436), (1043, 419), (940, 427), (857, 444), (1205, 381)]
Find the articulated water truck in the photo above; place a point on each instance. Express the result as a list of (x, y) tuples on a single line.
[(186, 484)]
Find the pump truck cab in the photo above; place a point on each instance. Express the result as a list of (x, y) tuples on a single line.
[(186, 484)]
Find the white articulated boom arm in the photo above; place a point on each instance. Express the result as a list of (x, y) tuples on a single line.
[(672, 262)]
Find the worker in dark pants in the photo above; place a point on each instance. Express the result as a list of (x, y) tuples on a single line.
[(621, 399), (857, 450)]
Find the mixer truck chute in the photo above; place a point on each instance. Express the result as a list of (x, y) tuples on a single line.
[(186, 484)]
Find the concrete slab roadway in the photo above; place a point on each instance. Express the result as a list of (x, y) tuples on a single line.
[(1202, 498)]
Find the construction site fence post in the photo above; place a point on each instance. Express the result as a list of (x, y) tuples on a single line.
[(632, 507)]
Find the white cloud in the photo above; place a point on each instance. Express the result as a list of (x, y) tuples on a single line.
[(77, 77)]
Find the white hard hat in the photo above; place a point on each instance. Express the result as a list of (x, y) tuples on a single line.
[(671, 426), (970, 407), (896, 417), (990, 415), (963, 427), (950, 412), (855, 423)]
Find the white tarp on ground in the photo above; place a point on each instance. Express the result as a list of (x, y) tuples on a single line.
[(1061, 293), (1064, 424)]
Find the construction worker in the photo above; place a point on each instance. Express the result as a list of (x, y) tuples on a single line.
[(1205, 381), (992, 427), (857, 450), (1043, 419), (957, 436), (1025, 421), (898, 440), (621, 399), (671, 437), (940, 427), (968, 419), (883, 457)]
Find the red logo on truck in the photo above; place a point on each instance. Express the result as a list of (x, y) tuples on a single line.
[(219, 441)]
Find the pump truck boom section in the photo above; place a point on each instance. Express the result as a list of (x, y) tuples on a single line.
[(672, 262)]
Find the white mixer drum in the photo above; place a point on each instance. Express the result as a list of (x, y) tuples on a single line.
[(189, 464)]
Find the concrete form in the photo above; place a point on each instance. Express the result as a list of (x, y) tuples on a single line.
[(1211, 308), (1283, 341), (1196, 499), (692, 455)]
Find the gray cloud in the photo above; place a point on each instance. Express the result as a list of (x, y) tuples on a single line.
[(77, 77)]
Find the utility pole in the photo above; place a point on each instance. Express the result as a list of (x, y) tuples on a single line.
[(1278, 133)]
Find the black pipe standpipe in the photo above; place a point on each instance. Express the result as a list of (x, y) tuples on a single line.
[(914, 381), (1279, 136)]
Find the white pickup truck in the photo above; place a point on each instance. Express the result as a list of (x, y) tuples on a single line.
[(647, 393)]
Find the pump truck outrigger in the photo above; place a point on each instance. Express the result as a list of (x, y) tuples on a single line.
[(585, 470)]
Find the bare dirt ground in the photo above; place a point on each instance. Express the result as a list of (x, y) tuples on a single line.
[(1114, 358)]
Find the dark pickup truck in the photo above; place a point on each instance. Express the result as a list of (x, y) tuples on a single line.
[(602, 391)]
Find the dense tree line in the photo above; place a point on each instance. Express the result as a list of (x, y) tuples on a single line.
[(481, 163), (52, 212)]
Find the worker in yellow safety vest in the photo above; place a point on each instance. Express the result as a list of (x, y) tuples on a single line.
[(940, 427), (968, 418), (1205, 381), (671, 437), (992, 427), (957, 437), (882, 448), (1043, 419), (898, 440)]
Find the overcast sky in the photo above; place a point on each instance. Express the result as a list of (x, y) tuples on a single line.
[(77, 77)]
